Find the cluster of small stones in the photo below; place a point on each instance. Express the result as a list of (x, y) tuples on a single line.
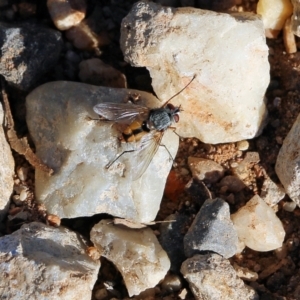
[(254, 224)]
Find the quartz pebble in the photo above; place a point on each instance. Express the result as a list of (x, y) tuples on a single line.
[(22, 173), (258, 226), (215, 111), (289, 206), (274, 12), (66, 13), (65, 113), (95, 71), (7, 166), (287, 164), (242, 145), (42, 262), (212, 277), (212, 230), (205, 169), (135, 252)]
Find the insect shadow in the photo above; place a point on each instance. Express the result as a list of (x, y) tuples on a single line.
[(143, 128)]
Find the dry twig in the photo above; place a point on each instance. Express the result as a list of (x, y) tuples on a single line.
[(21, 146)]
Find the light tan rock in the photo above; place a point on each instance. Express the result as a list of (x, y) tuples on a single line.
[(66, 13), (225, 102)]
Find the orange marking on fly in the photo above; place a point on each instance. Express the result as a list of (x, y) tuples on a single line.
[(144, 128)]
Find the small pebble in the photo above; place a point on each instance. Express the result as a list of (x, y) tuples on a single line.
[(22, 173), (53, 220), (242, 145), (289, 206), (101, 294), (23, 195), (277, 101), (171, 283), (234, 164)]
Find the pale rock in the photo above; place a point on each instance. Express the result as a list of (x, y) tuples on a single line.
[(242, 145), (271, 193), (274, 12), (242, 169), (43, 262), (66, 13), (135, 252), (258, 226), (211, 277), (95, 71), (212, 230), (225, 102), (289, 37), (288, 161), (295, 19), (289, 206), (245, 273), (7, 167), (205, 169), (70, 139)]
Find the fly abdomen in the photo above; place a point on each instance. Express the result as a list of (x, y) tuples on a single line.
[(134, 132)]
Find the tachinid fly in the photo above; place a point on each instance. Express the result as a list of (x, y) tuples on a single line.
[(144, 128)]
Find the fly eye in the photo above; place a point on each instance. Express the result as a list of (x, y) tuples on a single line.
[(176, 118)]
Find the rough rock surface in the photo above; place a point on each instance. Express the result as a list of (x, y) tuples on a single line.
[(70, 139), (212, 277), (212, 230), (43, 262), (7, 166), (225, 101), (27, 52), (257, 226), (135, 252), (288, 161)]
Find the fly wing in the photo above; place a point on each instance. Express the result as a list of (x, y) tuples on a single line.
[(122, 113), (144, 154)]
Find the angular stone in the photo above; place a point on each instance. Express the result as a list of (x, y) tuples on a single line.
[(27, 52), (225, 102), (135, 252), (71, 140), (271, 193), (7, 170), (212, 277), (43, 262), (258, 226), (212, 230), (288, 161)]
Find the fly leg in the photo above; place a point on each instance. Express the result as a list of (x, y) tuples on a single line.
[(170, 155), (117, 157), (174, 130)]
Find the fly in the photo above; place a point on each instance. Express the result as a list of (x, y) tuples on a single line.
[(144, 128)]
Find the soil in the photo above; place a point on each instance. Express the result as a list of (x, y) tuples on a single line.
[(278, 271)]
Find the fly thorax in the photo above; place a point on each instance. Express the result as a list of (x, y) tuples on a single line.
[(159, 119)]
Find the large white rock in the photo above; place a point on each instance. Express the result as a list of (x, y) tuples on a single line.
[(7, 166), (288, 163), (43, 262), (227, 53), (136, 253), (78, 149), (257, 226)]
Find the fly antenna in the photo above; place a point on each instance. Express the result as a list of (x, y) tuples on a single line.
[(179, 91)]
